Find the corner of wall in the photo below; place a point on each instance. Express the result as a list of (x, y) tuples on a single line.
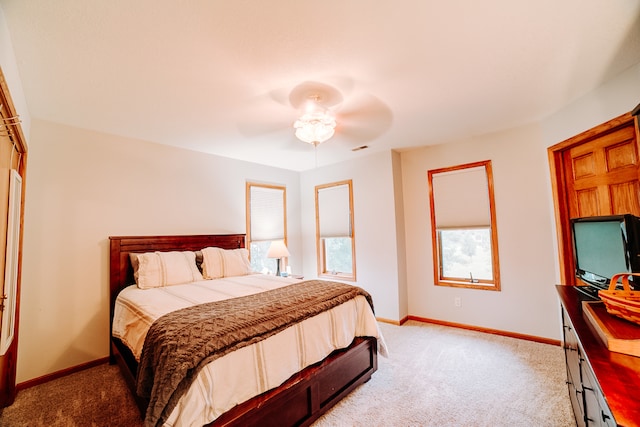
[(403, 293)]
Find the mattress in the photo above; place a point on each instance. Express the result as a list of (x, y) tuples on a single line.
[(261, 366)]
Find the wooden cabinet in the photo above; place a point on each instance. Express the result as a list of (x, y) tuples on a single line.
[(603, 385), (594, 173), (603, 174), (596, 410), (587, 400), (573, 355)]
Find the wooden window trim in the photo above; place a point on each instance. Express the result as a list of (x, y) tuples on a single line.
[(320, 244), (492, 285), (248, 186)]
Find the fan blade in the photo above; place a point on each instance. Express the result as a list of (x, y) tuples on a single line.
[(262, 116), (264, 127), (278, 134), (321, 94), (364, 119), (342, 83), (286, 141), (281, 96)]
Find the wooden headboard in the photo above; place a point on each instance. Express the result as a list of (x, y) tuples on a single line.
[(121, 272)]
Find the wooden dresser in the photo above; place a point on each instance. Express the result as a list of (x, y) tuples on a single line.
[(604, 386)]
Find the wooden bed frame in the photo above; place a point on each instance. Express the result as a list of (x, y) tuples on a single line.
[(301, 400)]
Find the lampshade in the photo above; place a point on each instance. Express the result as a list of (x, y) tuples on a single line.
[(277, 250), (315, 127)]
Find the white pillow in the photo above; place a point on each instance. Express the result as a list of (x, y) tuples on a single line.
[(236, 262), (219, 262), (212, 267), (156, 269)]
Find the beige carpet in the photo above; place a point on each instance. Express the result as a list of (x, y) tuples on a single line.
[(435, 376), (441, 376), (94, 397)]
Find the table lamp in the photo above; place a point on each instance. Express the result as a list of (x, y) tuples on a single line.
[(278, 250)]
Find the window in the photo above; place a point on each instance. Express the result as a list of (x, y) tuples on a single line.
[(266, 222), (334, 231), (463, 223)]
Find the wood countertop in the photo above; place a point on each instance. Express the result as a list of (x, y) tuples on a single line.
[(617, 374)]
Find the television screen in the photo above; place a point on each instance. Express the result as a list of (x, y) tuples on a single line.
[(600, 249)]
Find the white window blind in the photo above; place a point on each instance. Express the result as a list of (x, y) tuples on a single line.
[(267, 213), (460, 198), (334, 211)]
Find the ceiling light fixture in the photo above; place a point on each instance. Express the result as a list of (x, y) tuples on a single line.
[(315, 127)]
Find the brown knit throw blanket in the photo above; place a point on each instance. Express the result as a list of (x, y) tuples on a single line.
[(180, 343)]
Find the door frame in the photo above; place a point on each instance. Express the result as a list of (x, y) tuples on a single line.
[(559, 170), (10, 126)]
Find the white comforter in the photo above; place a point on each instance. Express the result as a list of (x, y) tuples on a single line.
[(260, 367)]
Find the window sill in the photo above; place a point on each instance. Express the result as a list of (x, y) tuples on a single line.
[(337, 276), (468, 284)]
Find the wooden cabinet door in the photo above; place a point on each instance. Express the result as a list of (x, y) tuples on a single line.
[(604, 175), (594, 173)]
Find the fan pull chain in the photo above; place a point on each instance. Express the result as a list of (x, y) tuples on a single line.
[(315, 151)]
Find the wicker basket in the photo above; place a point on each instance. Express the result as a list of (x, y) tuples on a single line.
[(623, 303)]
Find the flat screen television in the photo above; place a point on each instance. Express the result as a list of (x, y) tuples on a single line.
[(604, 246)]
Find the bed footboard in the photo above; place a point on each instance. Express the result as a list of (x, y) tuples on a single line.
[(301, 400), (309, 394)]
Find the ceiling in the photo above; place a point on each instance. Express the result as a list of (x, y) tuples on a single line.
[(215, 76)]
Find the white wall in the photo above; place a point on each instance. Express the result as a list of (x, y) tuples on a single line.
[(84, 186), (527, 303), (614, 98), (401, 244), (375, 226), (10, 71)]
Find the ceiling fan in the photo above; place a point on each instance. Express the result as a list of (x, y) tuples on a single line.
[(316, 112)]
